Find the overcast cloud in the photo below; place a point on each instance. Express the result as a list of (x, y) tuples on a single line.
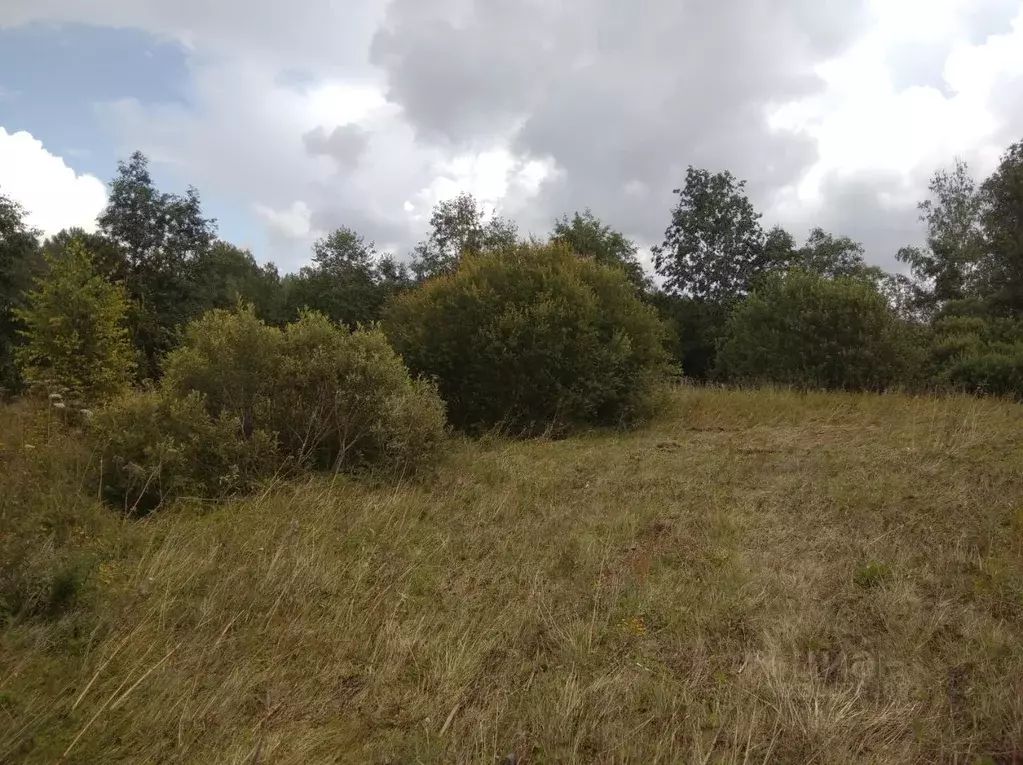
[(367, 112)]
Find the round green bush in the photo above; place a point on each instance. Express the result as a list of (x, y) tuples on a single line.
[(808, 331), (331, 398), (982, 355), (532, 338), (155, 448)]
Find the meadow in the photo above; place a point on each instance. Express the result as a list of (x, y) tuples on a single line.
[(755, 577)]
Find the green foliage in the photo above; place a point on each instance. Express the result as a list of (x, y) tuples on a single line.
[(163, 238), (74, 326), (833, 257), (334, 399), (977, 354), (945, 267), (871, 575), (533, 337), (348, 281), (345, 399), (714, 248), (48, 529), (807, 331), (107, 257), (697, 327), (155, 447), (225, 274), (1001, 270), (20, 264), (459, 227), (588, 237)]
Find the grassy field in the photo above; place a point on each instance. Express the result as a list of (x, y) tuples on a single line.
[(757, 577)]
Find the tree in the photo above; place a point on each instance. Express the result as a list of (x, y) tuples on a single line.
[(162, 237), (75, 330), (532, 338), (588, 237), (714, 247), (349, 282), (107, 257), (226, 274), (20, 263), (803, 329), (459, 227), (1001, 268), (946, 266), (834, 257)]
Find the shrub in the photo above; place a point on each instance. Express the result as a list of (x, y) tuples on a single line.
[(978, 355), (233, 359), (75, 330), (332, 398), (808, 331), (155, 447), (697, 327), (345, 399), (50, 533), (532, 337)]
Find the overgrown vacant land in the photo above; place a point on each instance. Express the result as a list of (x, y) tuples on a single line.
[(756, 577)]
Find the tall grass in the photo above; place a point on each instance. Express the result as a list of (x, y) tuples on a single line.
[(757, 577)]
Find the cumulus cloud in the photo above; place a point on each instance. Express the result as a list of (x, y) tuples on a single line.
[(365, 113), (52, 193), (880, 139)]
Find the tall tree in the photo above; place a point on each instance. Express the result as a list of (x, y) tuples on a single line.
[(75, 330), (226, 274), (714, 248), (348, 280), (107, 255), (588, 237), (1001, 269), (834, 257), (162, 235), (945, 267), (20, 263), (459, 226)]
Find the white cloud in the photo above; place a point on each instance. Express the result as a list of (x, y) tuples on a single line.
[(52, 193), (866, 125), (292, 222), (917, 86)]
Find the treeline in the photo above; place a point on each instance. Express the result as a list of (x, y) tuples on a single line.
[(528, 334)]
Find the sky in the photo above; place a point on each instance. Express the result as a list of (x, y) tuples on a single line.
[(294, 118)]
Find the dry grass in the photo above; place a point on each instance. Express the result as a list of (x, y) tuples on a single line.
[(757, 577)]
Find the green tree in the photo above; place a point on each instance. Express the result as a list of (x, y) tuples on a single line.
[(75, 330), (805, 330), (349, 282), (714, 248), (1001, 268), (162, 236), (107, 256), (459, 226), (532, 337), (588, 237), (946, 266), (833, 257), (20, 263), (226, 274)]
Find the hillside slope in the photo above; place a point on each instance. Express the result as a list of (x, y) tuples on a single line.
[(756, 577)]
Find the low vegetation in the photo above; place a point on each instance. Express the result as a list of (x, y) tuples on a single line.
[(754, 577)]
